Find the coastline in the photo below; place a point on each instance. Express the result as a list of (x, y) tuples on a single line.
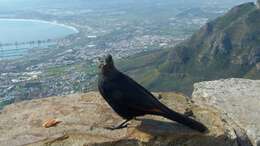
[(42, 21)]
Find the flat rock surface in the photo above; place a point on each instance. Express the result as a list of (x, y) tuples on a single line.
[(84, 117), (237, 98)]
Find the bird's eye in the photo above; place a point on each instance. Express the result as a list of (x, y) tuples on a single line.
[(99, 59)]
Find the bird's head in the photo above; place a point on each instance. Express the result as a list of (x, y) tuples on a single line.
[(106, 64)]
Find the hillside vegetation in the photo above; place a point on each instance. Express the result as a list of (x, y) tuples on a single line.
[(228, 46)]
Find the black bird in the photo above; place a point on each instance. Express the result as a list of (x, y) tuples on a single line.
[(130, 100)]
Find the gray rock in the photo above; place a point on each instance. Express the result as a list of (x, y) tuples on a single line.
[(239, 99)]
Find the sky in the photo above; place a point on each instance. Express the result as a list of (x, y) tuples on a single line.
[(13, 5)]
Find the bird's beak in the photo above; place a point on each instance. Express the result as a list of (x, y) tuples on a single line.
[(100, 62)]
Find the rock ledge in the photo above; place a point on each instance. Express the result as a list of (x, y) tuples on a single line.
[(83, 117)]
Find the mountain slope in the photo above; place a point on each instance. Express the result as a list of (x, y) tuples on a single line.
[(226, 47)]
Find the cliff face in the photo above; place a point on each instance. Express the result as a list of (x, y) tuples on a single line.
[(84, 117)]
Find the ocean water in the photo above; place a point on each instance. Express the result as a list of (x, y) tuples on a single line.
[(13, 31)]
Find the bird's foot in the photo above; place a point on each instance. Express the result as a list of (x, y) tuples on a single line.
[(116, 127), (121, 126)]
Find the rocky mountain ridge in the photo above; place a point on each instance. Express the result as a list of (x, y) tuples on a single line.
[(225, 47)]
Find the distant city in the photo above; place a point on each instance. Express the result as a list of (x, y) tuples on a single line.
[(68, 64)]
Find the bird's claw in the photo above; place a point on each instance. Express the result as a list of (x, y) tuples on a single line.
[(117, 127)]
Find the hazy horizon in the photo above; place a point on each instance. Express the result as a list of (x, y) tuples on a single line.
[(12, 5)]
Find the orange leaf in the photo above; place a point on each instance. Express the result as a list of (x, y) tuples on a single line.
[(51, 123)]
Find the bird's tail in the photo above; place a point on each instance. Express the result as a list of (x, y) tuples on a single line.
[(191, 123)]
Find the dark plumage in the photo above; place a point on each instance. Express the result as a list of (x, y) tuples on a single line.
[(130, 100)]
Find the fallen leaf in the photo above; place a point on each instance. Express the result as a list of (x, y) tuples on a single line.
[(51, 123)]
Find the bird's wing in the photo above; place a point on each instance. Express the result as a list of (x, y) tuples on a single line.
[(136, 97)]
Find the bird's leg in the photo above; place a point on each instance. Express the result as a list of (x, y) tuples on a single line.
[(120, 126)]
